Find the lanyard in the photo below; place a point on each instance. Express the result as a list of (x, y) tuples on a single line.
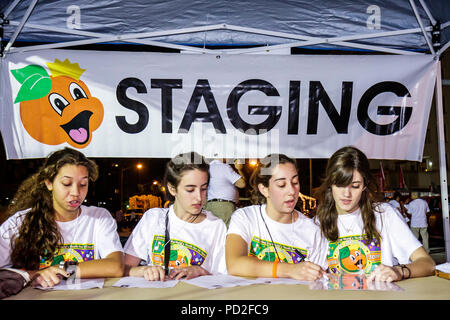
[(167, 245)]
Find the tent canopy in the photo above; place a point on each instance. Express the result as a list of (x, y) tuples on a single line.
[(402, 27)]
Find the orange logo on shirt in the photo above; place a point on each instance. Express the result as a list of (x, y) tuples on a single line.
[(57, 108)]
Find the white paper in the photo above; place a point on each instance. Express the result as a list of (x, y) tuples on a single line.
[(76, 284), (221, 281), (140, 282), (282, 281), (445, 267)]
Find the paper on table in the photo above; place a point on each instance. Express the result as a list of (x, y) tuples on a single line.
[(221, 281), (140, 282), (76, 284), (445, 267), (282, 281)]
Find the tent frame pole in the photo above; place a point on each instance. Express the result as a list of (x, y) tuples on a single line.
[(428, 12), (10, 9), (419, 20), (21, 25), (304, 40), (442, 161)]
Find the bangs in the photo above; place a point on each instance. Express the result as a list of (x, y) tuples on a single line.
[(342, 176)]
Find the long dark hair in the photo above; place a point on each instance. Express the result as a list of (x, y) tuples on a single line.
[(38, 235), (339, 172), (178, 165), (263, 173)]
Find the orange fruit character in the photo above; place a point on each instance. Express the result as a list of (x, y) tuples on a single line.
[(353, 259), (67, 113)]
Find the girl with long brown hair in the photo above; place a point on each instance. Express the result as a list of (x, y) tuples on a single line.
[(183, 241), (271, 238), (50, 234), (365, 236)]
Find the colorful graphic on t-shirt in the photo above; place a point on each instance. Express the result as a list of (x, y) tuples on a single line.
[(265, 250), (353, 254), (347, 281), (182, 254), (73, 252)]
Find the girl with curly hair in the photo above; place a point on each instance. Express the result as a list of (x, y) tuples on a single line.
[(50, 234)]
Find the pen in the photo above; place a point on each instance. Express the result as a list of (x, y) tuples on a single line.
[(167, 270), (301, 255)]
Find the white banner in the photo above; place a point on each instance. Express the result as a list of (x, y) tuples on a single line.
[(127, 104)]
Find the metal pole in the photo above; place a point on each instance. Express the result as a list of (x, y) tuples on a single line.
[(121, 188), (442, 160), (21, 25), (310, 177), (419, 20)]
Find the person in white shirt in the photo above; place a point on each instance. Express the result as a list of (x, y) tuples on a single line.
[(222, 189), (271, 238), (365, 236), (182, 241), (395, 203), (418, 209), (50, 234)]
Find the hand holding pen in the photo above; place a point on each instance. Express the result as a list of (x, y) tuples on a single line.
[(303, 270)]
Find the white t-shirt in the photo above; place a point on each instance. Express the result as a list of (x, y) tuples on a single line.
[(93, 235), (221, 182), (303, 235), (351, 253), (394, 203), (418, 209), (191, 244)]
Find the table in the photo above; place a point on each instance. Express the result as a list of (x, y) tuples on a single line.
[(427, 288)]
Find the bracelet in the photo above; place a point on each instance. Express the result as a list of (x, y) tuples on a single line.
[(274, 269), (403, 266)]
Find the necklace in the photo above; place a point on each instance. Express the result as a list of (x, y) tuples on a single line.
[(270, 235), (347, 229), (74, 234)]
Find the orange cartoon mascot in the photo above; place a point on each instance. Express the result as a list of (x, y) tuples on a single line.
[(353, 259), (57, 108)]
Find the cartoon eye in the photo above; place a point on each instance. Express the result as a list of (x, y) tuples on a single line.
[(76, 91), (58, 102), (352, 257), (357, 253)]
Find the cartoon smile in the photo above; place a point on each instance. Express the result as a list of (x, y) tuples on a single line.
[(78, 127)]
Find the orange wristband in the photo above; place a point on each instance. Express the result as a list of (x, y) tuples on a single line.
[(274, 269)]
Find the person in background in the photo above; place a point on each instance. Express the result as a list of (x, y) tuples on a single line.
[(50, 234), (418, 209), (183, 241), (365, 236), (271, 238), (119, 219), (397, 203), (222, 193)]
